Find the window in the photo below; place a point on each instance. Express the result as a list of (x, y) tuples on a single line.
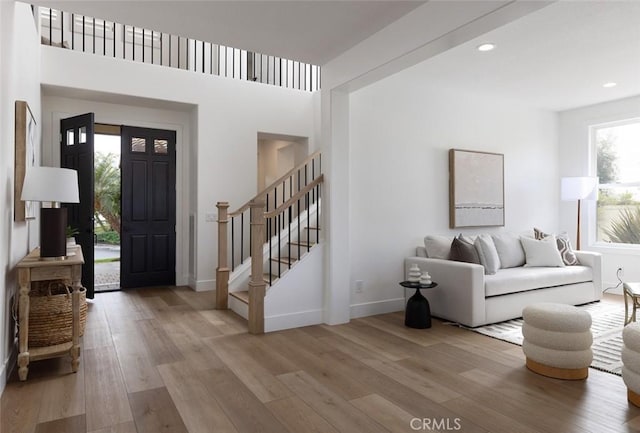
[(617, 150), (160, 146)]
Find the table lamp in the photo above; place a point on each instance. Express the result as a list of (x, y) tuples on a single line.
[(54, 185), (578, 188)]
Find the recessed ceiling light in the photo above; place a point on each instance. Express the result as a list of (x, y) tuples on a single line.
[(610, 84), (486, 47)]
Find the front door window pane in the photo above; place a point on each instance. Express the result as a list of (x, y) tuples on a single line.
[(160, 146), (70, 137), (82, 136), (138, 144)]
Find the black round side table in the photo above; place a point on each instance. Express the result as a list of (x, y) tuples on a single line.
[(418, 313)]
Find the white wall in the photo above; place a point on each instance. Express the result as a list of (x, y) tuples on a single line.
[(304, 285), (421, 34), (276, 157), (400, 133), (19, 80), (229, 115), (574, 154)]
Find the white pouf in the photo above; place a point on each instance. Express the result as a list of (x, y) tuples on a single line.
[(631, 361), (557, 340)]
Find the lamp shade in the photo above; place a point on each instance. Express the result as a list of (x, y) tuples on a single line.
[(51, 184), (579, 188)]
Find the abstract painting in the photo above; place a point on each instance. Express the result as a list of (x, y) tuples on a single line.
[(476, 189)]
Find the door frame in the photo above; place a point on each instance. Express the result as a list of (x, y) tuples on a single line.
[(185, 250)]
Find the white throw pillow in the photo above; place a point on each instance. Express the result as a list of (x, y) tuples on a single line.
[(488, 254), (509, 250), (543, 252), (564, 246), (438, 247)]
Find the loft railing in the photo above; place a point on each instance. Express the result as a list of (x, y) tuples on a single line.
[(121, 41)]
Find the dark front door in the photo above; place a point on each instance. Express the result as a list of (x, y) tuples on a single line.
[(148, 241), (76, 151)]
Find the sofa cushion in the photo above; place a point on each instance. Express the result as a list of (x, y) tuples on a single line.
[(438, 247), (514, 280), (487, 254), (462, 250), (509, 250), (564, 246), (542, 252)]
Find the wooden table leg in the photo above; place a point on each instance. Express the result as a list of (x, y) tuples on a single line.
[(24, 278), (76, 273)]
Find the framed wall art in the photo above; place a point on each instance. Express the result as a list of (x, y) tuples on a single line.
[(476, 188), (25, 157)]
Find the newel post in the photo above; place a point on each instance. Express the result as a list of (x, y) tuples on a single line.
[(222, 271), (257, 286)]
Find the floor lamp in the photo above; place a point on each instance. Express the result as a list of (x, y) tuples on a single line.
[(54, 185), (579, 188)]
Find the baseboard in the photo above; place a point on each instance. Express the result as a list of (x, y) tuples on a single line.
[(7, 368), (3, 376), (203, 285), (378, 307), (292, 320)]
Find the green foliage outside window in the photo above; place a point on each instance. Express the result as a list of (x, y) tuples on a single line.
[(107, 193), (626, 228)]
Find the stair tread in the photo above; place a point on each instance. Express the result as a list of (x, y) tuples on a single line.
[(291, 260), (265, 277), (302, 243), (242, 295)]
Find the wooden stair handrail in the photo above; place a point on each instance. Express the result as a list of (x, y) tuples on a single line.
[(274, 184), (297, 196)]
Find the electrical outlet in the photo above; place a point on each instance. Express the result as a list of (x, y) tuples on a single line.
[(210, 217), (359, 286)]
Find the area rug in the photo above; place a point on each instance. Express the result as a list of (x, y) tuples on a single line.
[(606, 327)]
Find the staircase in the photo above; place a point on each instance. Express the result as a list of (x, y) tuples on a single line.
[(268, 235)]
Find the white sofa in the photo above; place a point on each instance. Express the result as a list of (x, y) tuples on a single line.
[(467, 296)]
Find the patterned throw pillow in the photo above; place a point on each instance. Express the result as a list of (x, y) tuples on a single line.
[(564, 246)]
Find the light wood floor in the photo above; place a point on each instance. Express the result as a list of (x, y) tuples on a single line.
[(162, 360)]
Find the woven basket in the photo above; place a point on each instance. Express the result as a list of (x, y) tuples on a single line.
[(51, 314)]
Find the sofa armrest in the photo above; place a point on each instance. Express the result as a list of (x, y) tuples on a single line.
[(594, 261), (460, 294)]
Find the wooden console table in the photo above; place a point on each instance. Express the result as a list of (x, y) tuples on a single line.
[(30, 269)]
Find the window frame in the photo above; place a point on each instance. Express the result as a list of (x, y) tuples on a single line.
[(593, 169)]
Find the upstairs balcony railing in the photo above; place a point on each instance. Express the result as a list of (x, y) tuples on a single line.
[(122, 41)]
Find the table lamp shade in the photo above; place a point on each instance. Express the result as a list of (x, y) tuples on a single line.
[(579, 188), (55, 185)]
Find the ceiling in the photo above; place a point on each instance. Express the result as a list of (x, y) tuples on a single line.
[(556, 58), (312, 31)]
